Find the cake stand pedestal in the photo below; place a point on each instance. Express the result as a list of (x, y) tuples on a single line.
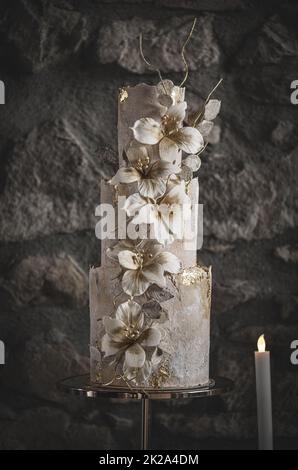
[(81, 386)]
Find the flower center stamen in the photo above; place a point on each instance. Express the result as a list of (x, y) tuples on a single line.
[(132, 333), (138, 259), (170, 124), (142, 164)]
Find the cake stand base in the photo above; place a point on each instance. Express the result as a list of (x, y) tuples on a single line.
[(81, 386)]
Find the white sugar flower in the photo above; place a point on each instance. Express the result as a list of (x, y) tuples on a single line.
[(168, 214), (169, 133), (128, 335), (151, 176), (144, 265)]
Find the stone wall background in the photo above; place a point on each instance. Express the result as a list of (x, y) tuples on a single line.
[(62, 63)]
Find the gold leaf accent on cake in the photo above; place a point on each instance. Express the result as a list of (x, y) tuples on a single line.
[(123, 95), (209, 287), (195, 275)]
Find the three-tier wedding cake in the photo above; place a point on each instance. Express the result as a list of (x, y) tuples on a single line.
[(149, 299)]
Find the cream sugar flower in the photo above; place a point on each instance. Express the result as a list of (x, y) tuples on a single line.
[(127, 334), (151, 176), (168, 214), (144, 264), (169, 133)]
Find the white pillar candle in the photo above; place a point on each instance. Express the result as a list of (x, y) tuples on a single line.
[(263, 384), (2, 352)]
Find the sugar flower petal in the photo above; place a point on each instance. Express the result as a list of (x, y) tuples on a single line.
[(176, 195), (165, 100), (126, 175), (212, 109), (130, 313), (205, 127), (151, 337), (147, 131), (152, 187), (110, 347), (112, 252), (169, 150), (134, 283), (135, 356), (127, 259), (137, 375), (193, 162), (177, 111), (162, 232), (133, 204), (114, 328), (154, 274), (169, 262), (146, 215), (135, 153), (189, 139)]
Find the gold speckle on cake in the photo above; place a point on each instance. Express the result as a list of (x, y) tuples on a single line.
[(123, 95), (160, 376), (98, 377)]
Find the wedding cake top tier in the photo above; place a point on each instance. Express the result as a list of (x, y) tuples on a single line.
[(144, 102)]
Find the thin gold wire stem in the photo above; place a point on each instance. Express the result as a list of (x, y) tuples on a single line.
[(183, 50), (206, 101), (202, 150), (149, 64)]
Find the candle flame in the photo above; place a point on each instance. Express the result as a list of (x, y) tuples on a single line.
[(261, 344)]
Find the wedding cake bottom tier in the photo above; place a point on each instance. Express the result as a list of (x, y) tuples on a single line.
[(168, 343)]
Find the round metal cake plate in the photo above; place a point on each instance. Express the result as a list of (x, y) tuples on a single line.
[(80, 385)]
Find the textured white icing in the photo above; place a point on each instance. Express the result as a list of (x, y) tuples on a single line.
[(187, 335)]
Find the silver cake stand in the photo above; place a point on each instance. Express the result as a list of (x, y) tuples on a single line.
[(80, 386)]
